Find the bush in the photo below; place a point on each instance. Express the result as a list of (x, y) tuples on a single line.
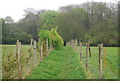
[(43, 34), (53, 37), (57, 39)]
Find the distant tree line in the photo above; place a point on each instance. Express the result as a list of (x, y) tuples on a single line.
[(91, 21)]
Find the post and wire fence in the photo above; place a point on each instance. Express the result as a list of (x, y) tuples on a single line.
[(20, 62), (85, 57)]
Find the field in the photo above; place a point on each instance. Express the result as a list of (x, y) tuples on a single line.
[(111, 70), (65, 63)]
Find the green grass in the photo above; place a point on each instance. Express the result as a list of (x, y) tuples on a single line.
[(64, 63), (111, 71), (59, 64), (7, 49), (0, 62)]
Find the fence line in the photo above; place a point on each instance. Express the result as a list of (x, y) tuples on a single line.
[(88, 52), (34, 57)]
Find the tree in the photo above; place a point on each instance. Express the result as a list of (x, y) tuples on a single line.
[(9, 20), (72, 24), (47, 19), (29, 23)]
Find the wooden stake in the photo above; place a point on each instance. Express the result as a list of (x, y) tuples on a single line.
[(19, 60), (75, 44), (44, 48), (100, 60), (31, 43), (89, 49), (17, 44), (87, 56), (81, 52), (39, 45), (41, 50), (47, 46), (34, 51), (50, 45)]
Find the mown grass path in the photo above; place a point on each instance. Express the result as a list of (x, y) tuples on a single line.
[(59, 64)]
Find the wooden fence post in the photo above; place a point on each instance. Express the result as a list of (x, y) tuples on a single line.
[(41, 50), (18, 49), (87, 56), (50, 45), (100, 60), (72, 43), (89, 49), (68, 43), (105, 65), (44, 48), (17, 44), (75, 44), (47, 46), (31, 43), (80, 52), (34, 51)]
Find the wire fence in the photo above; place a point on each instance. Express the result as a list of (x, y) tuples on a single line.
[(109, 67), (19, 60)]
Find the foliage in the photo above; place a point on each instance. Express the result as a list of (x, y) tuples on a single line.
[(113, 42), (25, 35), (72, 24), (53, 37), (47, 19), (87, 37), (56, 38), (43, 34), (98, 20), (94, 20)]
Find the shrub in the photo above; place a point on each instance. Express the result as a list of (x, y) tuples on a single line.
[(57, 39), (43, 34), (53, 37)]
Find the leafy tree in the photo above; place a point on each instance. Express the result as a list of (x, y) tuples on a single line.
[(72, 24), (29, 22), (47, 19), (24, 37), (87, 37)]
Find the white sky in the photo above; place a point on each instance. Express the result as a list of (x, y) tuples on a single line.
[(15, 8)]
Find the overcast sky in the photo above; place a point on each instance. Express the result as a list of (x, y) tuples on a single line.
[(15, 8)]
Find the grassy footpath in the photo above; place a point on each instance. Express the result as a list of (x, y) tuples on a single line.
[(59, 64)]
